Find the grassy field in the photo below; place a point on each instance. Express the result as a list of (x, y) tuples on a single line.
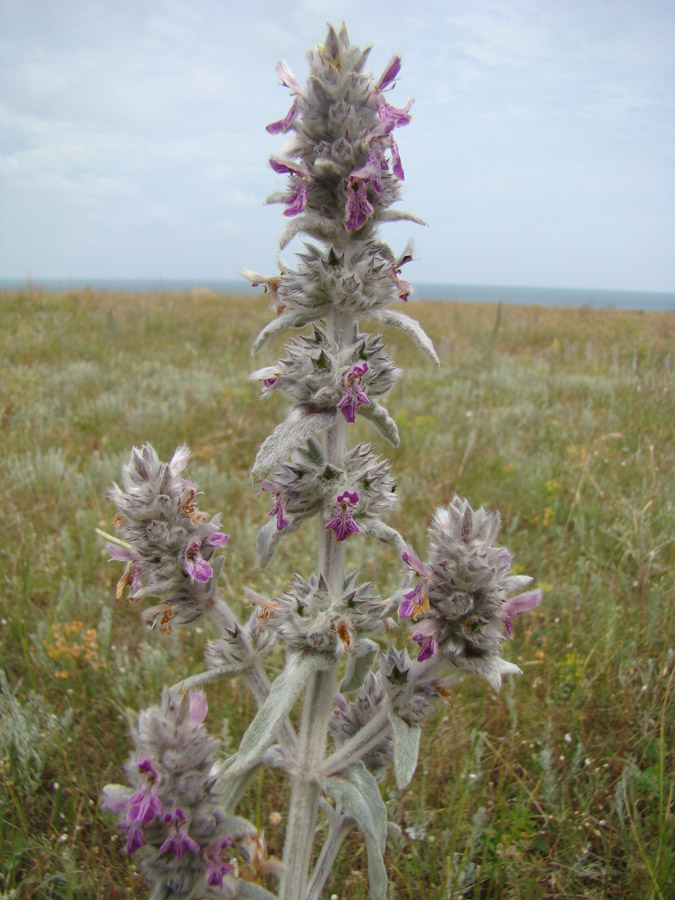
[(564, 420)]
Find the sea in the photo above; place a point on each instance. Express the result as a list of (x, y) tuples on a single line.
[(573, 298)]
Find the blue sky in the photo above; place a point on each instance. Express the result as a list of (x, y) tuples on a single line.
[(541, 152)]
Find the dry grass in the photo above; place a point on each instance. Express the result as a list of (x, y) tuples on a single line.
[(562, 419)]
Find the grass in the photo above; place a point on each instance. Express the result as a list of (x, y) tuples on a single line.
[(563, 786)]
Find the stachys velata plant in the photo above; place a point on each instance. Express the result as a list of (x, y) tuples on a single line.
[(363, 700)]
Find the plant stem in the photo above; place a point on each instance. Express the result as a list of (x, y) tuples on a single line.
[(337, 832), (321, 688), (359, 744)]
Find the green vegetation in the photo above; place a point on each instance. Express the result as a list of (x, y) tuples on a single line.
[(563, 786)]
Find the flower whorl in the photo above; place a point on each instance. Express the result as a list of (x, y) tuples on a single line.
[(170, 544), (171, 814), (469, 587)]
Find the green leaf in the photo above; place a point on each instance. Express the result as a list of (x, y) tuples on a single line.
[(285, 690), (406, 750)]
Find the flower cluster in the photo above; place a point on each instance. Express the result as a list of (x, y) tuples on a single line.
[(464, 591), (351, 716), (333, 179), (308, 615), (412, 696), (171, 815), (307, 485), (167, 544), (318, 376)]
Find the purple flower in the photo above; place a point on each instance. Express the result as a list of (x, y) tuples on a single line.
[(517, 605), (198, 707), (279, 508), (388, 76), (354, 395), (179, 460), (358, 208), (195, 565), (397, 168), (371, 170), (269, 376), (298, 197), (284, 124), (426, 636), (391, 116), (178, 840), (145, 805), (137, 809), (404, 287), (135, 837), (417, 600), (342, 524), (288, 80), (215, 867), (216, 539)]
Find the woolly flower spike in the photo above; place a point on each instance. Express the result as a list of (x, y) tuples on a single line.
[(342, 524), (171, 544), (469, 583), (342, 126), (171, 815), (354, 396)]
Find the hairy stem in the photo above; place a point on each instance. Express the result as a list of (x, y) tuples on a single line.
[(337, 832), (322, 687), (359, 744)]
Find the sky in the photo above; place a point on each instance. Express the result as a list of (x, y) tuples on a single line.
[(541, 150)]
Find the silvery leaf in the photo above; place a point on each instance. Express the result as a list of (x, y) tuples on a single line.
[(399, 215), (285, 690), (285, 320), (194, 681), (359, 665), (287, 437), (357, 791), (266, 542), (249, 891), (275, 757), (491, 667), (378, 415), (231, 790), (385, 533), (276, 197), (235, 826), (406, 750), (377, 873), (407, 324)]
